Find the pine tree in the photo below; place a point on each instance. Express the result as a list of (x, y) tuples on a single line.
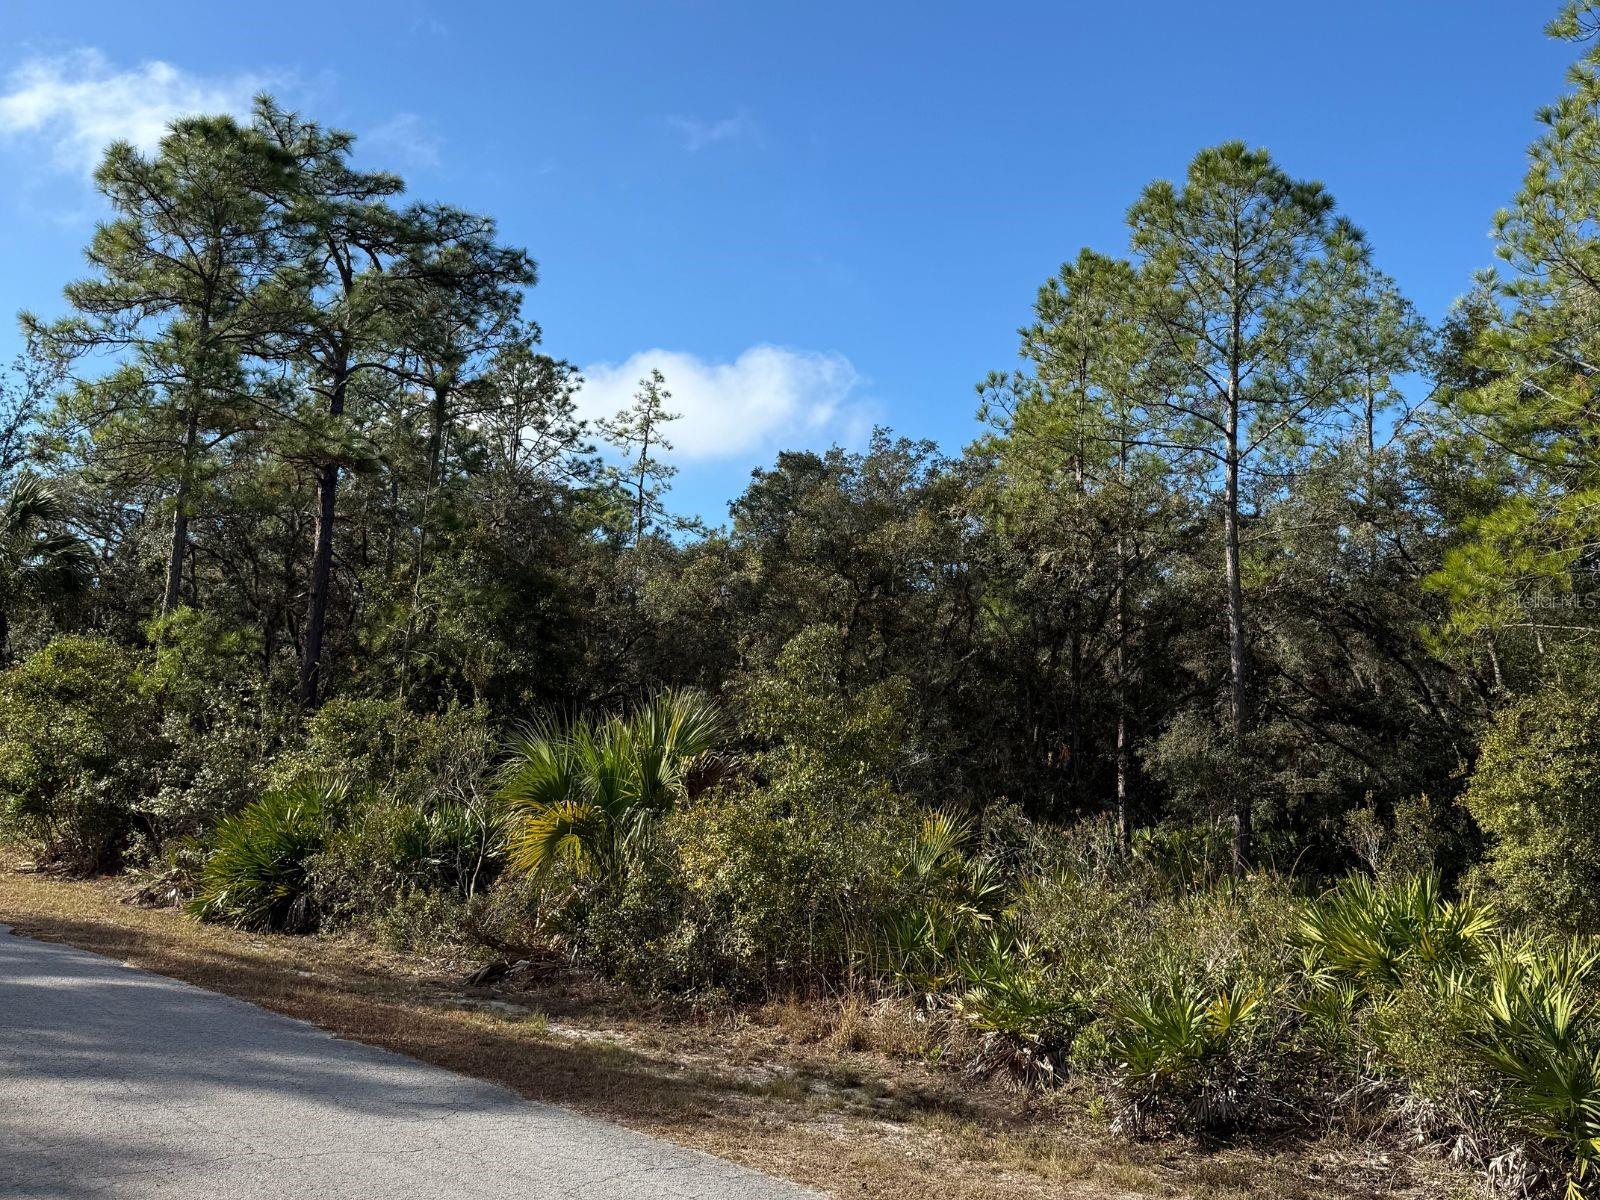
[(1248, 274), (182, 270), (639, 435), (1524, 394), (1066, 438)]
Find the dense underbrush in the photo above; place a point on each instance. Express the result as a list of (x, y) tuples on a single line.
[(673, 849)]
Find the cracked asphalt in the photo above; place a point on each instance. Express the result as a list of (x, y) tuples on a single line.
[(118, 1083)]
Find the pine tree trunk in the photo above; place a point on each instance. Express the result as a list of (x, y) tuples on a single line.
[(1123, 764), (1242, 830), (1371, 497), (321, 567), (440, 414), (321, 577), (1124, 818), (180, 516)]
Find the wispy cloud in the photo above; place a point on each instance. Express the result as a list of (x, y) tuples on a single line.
[(426, 23), (769, 397), (697, 134), (407, 139), (72, 106)]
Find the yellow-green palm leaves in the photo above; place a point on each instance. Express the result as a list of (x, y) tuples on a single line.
[(589, 793)]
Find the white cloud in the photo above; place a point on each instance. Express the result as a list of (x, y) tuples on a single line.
[(697, 134), (425, 23), (74, 105), (770, 397), (405, 138)]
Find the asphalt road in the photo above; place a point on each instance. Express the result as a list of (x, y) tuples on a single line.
[(118, 1083)]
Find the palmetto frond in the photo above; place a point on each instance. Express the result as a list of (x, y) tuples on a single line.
[(565, 831), (588, 793), (37, 559), (1370, 933), (32, 503)]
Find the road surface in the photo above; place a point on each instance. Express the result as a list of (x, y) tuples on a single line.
[(118, 1083)]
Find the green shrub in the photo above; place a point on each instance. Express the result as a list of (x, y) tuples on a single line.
[(378, 851), (257, 873), (1028, 1021), (511, 917), (1539, 1035), (791, 884), (76, 748), (589, 794), (420, 921), (787, 879), (946, 898), (1185, 857), (414, 814), (682, 876), (361, 866), (634, 927), (170, 880), (1373, 934), (454, 847), (203, 679), (1188, 1046), (206, 775), (380, 745), (1536, 794), (1416, 1034), (199, 665), (750, 891), (1094, 961)]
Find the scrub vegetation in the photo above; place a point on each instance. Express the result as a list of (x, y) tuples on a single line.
[(1206, 756)]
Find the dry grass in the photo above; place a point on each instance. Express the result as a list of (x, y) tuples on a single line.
[(843, 1097)]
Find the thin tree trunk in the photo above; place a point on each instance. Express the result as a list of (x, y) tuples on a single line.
[(321, 577), (1124, 817), (1371, 483), (441, 411), (180, 515), (638, 516), (321, 569), (1494, 664), (1242, 824)]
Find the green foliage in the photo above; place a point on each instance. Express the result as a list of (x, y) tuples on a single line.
[(258, 869), (1183, 1043), (1187, 857), (1373, 935), (202, 677), (413, 758), (820, 732), (76, 743), (1100, 967), (948, 899), (758, 884), (1028, 1019), (1541, 1035), (377, 852), (1520, 576), (1536, 794), (1051, 737), (419, 921), (39, 560), (590, 794), (779, 886), (788, 879)]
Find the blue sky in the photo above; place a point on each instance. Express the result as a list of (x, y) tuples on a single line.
[(814, 216)]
